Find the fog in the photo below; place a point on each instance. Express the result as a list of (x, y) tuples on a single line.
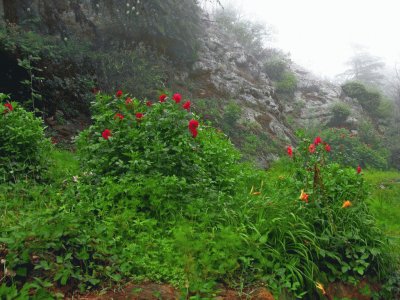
[(321, 34)]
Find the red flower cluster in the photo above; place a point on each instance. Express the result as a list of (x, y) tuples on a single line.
[(186, 105), (149, 103), (106, 134), (290, 151), (128, 101), (193, 124), (139, 116), (121, 117), (311, 148), (163, 97), (177, 98), (8, 107), (317, 141), (359, 169), (119, 93)]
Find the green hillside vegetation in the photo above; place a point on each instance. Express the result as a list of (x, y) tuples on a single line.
[(153, 193)]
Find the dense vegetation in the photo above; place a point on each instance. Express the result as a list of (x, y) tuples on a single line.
[(161, 196)]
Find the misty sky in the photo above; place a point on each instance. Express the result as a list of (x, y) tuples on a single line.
[(319, 34)]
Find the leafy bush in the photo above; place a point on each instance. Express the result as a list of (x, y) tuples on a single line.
[(148, 141), (23, 146), (369, 99), (333, 201), (340, 112), (275, 68), (350, 150), (287, 86)]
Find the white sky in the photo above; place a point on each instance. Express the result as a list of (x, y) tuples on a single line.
[(319, 34)]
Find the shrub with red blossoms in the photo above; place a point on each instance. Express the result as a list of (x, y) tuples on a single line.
[(311, 148), (106, 134), (163, 97), (359, 169), (186, 105), (128, 101), (149, 103), (177, 98), (119, 93)]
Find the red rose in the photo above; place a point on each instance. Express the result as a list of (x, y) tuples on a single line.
[(193, 124), (359, 169), (118, 93), (106, 134), (186, 105), (8, 107), (162, 98), (177, 98), (290, 151), (149, 103), (317, 141), (139, 116), (311, 148), (121, 117), (194, 132), (128, 101), (327, 148)]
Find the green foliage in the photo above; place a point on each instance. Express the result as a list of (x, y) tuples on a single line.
[(340, 112), (154, 202), (23, 146), (287, 86), (275, 68), (369, 99), (350, 150), (333, 200)]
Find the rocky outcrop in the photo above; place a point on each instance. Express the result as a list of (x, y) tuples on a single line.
[(224, 68)]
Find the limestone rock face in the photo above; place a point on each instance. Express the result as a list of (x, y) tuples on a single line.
[(225, 68), (314, 98)]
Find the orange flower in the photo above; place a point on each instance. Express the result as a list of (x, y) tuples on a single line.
[(346, 203), (303, 196)]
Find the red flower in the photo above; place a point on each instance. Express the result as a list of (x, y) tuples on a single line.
[(121, 117), (177, 98), (193, 124), (327, 148), (290, 151), (317, 141), (118, 93), (359, 169), (128, 101), (106, 134), (139, 116), (186, 105), (9, 107), (95, 90), (311, 148), (149, 103), (162, 98), (194, 132)]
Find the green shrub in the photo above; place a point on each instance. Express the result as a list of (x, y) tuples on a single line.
[(350, 150), (275, 69), (156, 144), (369, 99), (340, 112), (23, 147), (287, 86)]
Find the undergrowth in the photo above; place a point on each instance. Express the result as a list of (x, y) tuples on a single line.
[(158, 195)]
